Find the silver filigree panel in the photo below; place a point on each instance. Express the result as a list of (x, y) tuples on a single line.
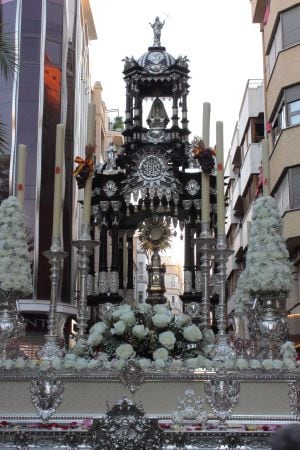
[(46, 394)]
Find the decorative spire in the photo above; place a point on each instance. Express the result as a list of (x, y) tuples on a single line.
[(157, 26)]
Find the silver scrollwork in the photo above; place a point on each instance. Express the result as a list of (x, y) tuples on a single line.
[(46, 394), (192, 187), (110, 188), (187, 281), (222, 394), (132, 375), (294, 396), (126, 427), (114, 282), (192, 309), (103, 282), (198, 281), (190, 407)]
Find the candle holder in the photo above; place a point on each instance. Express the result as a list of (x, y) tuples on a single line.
[(85, 248), (51, 349), (205, 243), (222, 350)]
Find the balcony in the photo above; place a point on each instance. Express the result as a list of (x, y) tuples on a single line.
[(238, 243), (251, 164), (246, 227), (258, 10), (231, 265), (252, 103)]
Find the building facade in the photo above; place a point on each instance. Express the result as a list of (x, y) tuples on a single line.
[(242, 170), (51, 86), (280, 26), (52, 37)]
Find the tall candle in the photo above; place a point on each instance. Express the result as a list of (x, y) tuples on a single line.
[(91, 124), (220, 178), (205, 178), (58, 172), (265, 167), (21, 174)]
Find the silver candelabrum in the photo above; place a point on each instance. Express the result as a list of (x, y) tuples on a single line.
[(205, 243), (85, 248), (222, 349), (51, 348)]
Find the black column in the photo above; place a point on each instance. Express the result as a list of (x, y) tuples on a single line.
[(121, 268), (103, 248), (130, 262)]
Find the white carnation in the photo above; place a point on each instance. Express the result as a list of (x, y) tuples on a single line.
[(183, 319), (144, 308), (159, 364), (125, 351), (267, 364), (80, 347), (277, 364), (192, 363), (129, 318), (98, 328), (56, 363), (161, 309), (229, 363), (290, 364), (145, 363), (167, 339), (254, 364), (45, 365), (192, 333), (161, 353), (94, 339), (118, 363), (94, 364), (20, 363), (118, 328), (161, 320), (7, 364), (139, 331), (241, 363)]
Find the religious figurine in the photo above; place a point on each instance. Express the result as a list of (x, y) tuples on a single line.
[(111, 157), (157, 26)]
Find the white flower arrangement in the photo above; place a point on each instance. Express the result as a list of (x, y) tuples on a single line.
[(146, 329), (267, 260), (15, 271)]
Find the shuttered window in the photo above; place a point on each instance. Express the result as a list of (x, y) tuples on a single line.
[(291, 26), (286, 34), (294, 179), (287, 194)]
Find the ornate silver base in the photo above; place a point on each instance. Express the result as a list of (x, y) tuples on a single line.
[(222, 351), (50, 349)]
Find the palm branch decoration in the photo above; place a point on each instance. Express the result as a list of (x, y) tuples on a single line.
[(8, 66), (154, 234)]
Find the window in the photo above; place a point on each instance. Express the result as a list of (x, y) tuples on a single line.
[(293, 109), (286, 35), (140, 297), (173, 281), (287, 194), (173, 300), (288, 112)]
